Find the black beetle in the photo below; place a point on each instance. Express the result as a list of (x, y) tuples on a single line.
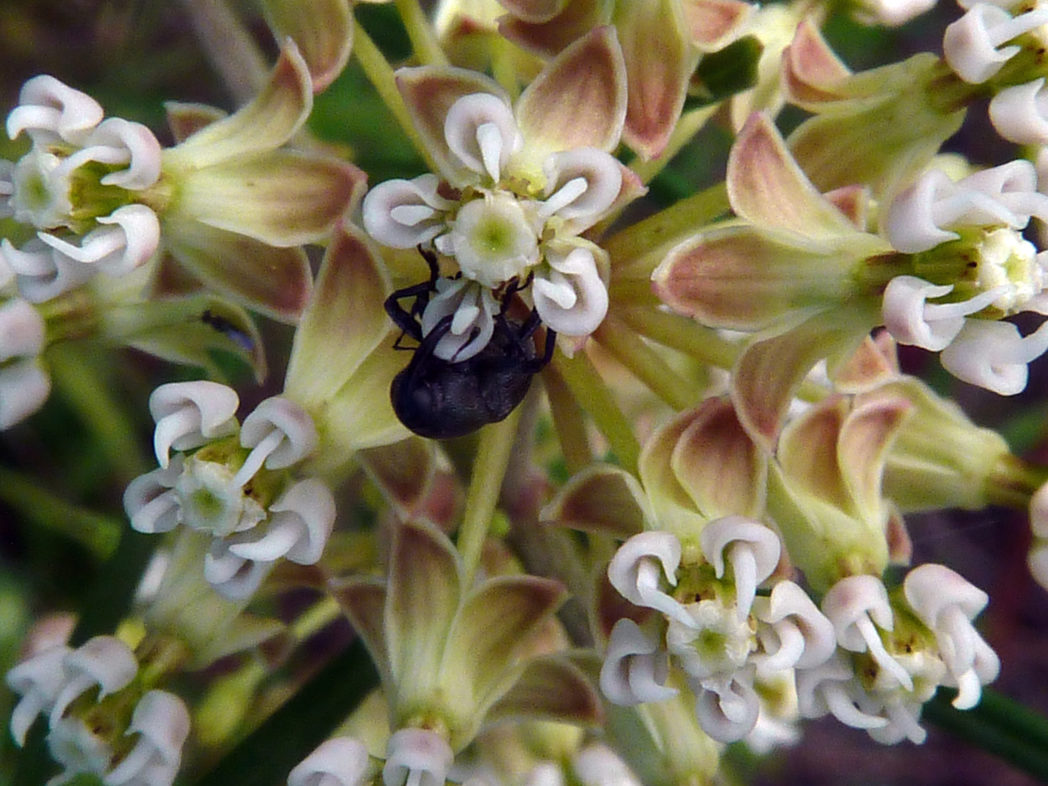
[(440, 398)]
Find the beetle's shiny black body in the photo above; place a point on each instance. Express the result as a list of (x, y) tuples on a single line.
[(442, 399)]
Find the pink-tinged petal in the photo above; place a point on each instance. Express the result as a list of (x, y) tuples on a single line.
[(748, 278), (553, 35), (579, 99), (768, 188), (424, 586), (362, 601), (807, 452), (853, 202), (344, 321), (360, 415), (265, 123), (429, 92), (770, 369), (873, 364), (496, 623), (282, 198), (812, 73), (674, 509), (600, 498), (550, 688), (900, 546), (276, 282), (323, 30), (534, 11), (713, 23), (403, 472), (184, 120), (717, 463), (862, 447), (659, 62)]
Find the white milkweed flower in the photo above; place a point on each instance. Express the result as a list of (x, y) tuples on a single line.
[(966, 238), (232, 486), (82, 186)]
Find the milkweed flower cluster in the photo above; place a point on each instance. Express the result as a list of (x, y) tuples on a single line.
[(681, 526)]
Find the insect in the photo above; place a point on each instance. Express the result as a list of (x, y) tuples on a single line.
[(440, 398)]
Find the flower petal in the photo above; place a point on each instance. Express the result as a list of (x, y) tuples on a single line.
[(768, 188), (600, 498), (430, 92), (344, 321), (273, 281), (281, 198), (550, 688), (322, 29), (264, 124), (579, 99), (659, 59)]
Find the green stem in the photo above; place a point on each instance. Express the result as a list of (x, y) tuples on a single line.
[(683, 334), (644, 363), (100, 534), (489, 468), (593, 395), (1014, 481), (380, 74), (639, 248), (420, 31), (568, 421), (998, 725)]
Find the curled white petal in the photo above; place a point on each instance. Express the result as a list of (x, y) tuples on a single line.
[(639, 566), (24, 387), (832, 688), (233, 577), (727, 709), (416, 757), (581, 184), (922, 216), (42, 273), (141, 149), (1013, 186), (37, 680), (804, 636), (993, 355), (752, 551), (279, 433), (947, 603), (571, 297), (22, 330), (857, 606), (188, 414), (482, 133), (903, 723), (472, 308), (127, 238), (973, 44), (299, 527), (104, 661), (161, 722), (599, 765), (1020, 113), (405, 213), (1037, 561), (340, 761), (635, 667), (49, 108), (933, 326), (150, 502)]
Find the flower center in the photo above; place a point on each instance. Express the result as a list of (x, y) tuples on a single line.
[(211, 502), (493, 240), (1007, 259), (41, 197)]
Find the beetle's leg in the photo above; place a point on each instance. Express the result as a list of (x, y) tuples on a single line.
[(527, 330), (424, 351)]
